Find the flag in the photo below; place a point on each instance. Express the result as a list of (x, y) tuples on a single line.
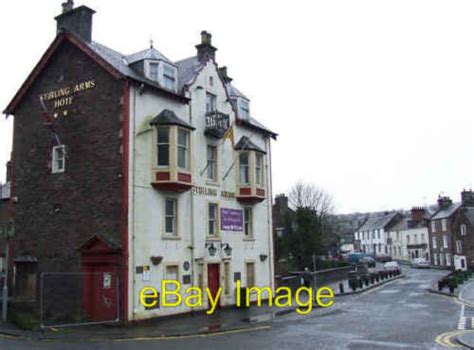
[(229, 134)]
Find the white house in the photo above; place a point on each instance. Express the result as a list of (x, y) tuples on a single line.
[(200, 189), (371, 238)]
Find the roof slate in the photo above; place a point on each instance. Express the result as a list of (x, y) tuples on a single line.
[(167, 117), (246, 144), (378, 221), (151, 54), (446, 212)]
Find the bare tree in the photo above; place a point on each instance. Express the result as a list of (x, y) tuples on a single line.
[(310, 196)]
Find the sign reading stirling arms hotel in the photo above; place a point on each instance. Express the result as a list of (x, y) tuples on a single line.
[(64, 96)]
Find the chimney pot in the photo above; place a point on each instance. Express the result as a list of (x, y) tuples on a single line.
[(75, 20), (205, 50)]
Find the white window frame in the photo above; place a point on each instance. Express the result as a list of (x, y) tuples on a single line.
[(216, 220), (245, 168), (211, 171), (186, 148), (149, 70), (435, 258), (434, 242), (59, 153), (445, 241), (463, 230), (248, 222), (160, 143), (211, 102), (433, 226), (174, 216), (165, 75), (459, 247), (259, 178), (244, 108), (447, 257), (444, 224), (171, 298)]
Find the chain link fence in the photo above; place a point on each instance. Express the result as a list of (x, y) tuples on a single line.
[(70, 299)]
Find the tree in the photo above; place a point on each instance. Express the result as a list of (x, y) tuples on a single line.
[(307, 233)]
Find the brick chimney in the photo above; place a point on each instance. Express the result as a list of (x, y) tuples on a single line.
[(417, 213), (444, 202), (75, 20), (467, 198), (205, 50), (224, 75), (281, 202)]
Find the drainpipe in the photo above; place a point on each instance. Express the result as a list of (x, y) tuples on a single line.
[(271, 250), (133, 262), (191, 247)]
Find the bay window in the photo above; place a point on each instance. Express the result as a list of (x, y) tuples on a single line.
[(163, 145), (183, 149), (259, 169), (244, 168)]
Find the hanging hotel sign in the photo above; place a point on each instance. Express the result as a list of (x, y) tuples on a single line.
[(231, 219), (64, 96)]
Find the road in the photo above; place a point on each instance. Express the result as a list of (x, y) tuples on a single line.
[(398, 315)]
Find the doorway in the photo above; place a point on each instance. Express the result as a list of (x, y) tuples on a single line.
[(213, 279)]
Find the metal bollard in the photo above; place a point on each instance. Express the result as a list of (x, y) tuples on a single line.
[(341, 288)]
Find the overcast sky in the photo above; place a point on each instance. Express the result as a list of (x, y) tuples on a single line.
[(372, 100)]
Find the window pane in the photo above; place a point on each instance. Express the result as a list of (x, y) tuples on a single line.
[(244, 170), (163, 135), (163, 155), (170, 207), (169, 225), (182, 162), (211, 162), (153, 71), (210, 103), (182, 138)]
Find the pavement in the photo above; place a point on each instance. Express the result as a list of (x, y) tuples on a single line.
[(401, 314), (190, 324), (466, 296)]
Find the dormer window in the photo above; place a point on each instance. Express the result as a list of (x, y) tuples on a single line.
[(244, 109), (153, 71), (169, 77), (162, 73)]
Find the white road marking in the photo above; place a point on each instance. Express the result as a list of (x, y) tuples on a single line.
[(389, 291), (462, 319)]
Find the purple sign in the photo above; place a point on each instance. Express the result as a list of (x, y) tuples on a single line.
[(231, 219)]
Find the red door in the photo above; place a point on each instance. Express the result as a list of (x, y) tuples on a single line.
[(213, 279), (104, 293)]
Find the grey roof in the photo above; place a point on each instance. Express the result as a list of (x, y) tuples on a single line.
[(446, 212), (187, 71), (234, 92), (167, 117), (407, 223), (246, 144), (470, 214), (379, 221), (150, 53), (119, 62)]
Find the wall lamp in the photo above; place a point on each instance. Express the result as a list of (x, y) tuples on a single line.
[(211, 248), (263, 257), (227, 248)]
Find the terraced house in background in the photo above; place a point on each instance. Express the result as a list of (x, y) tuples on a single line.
[(133, 169), (451, 230)]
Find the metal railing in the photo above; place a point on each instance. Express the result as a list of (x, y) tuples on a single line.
[(217, 124)]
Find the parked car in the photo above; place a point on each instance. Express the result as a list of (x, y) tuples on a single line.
[(383, 258), (370, 261), (420, 263), (392, 266)]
